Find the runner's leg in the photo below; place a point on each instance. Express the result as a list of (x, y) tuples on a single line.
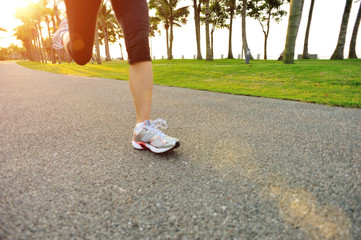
[(141, 86), (82, 16), (133, 16)]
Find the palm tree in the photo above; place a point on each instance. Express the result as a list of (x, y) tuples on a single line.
[(171, 17), (55, 17), (338, 53), (48, 13), (244, 32), (292, 30), (96, 44), (197, 6), (352, 52), (263, 11), (28, 32), (37, 13), (154, 22), (47, 21), (14, 51), (305, 54), (217, 18), (36, 19), (119, 36), (37, 45), (231, 9), (107, 25), (22, 33), (209, 56)]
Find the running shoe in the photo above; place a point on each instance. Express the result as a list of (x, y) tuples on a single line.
[(148, 136), (58, 36)]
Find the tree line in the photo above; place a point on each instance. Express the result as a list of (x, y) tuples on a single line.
[(45, 16), (40, 21)]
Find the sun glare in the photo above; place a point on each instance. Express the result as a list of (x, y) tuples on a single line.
[(8, 20)]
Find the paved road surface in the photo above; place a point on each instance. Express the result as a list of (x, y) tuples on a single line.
[(247, 168)]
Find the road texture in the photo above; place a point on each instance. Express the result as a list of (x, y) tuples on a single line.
[(247, 167)]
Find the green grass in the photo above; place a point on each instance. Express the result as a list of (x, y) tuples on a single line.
[(335, 83)]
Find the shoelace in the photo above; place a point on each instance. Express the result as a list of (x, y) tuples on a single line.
[(158, 123)]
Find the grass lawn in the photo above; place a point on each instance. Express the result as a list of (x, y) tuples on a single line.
[(335, 83)]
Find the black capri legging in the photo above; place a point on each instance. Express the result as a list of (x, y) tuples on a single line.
[(132, 15)]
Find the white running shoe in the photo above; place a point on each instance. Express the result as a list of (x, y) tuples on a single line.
[(58, 35), (148, 136)]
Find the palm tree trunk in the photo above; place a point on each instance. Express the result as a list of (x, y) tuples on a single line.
[(266, 36), (292, 30), (265, 46), (197, 21), (244, 34), (121, 51), (40, 45), (167, 38), (305, 54), (299, 22), (57, 55), (38, 54), (338, 53), (106, 41), (43, 45), (54, 24), (34, 49), (97, 48), (29, 49), (212, 41), (352, 52), (57, 14), (208, 42), (47, 21), (171, 42), (230, 53)]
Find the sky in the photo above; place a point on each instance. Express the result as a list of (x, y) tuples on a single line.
[(325, 27)]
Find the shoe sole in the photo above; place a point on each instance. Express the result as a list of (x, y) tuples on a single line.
[(145, 146)]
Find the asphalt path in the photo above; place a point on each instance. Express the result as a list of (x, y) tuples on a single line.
[(247, 167)]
